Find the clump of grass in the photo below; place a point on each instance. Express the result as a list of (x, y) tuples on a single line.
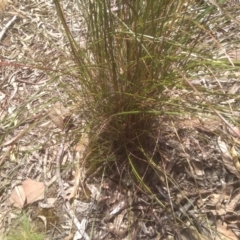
[(132, 77), (131, 72), (23, 229)]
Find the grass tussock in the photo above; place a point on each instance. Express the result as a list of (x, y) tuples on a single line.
[(130, 76)]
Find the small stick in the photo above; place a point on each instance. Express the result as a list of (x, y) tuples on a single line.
[(8, 25)]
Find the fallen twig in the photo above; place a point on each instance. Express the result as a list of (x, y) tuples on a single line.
[(7, 26)]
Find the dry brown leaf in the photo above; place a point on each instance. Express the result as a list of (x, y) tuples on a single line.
[(224, 233), (18, 197), (59, 115), (34, 190)]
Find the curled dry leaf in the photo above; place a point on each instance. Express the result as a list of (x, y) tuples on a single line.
[(18, 197), (227, 158)]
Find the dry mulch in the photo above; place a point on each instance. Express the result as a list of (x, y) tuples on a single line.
[(199, 177)]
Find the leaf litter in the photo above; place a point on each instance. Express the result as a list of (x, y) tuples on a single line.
[(194, 155)]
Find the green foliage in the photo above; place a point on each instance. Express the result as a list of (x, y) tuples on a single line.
[(22, 229)]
